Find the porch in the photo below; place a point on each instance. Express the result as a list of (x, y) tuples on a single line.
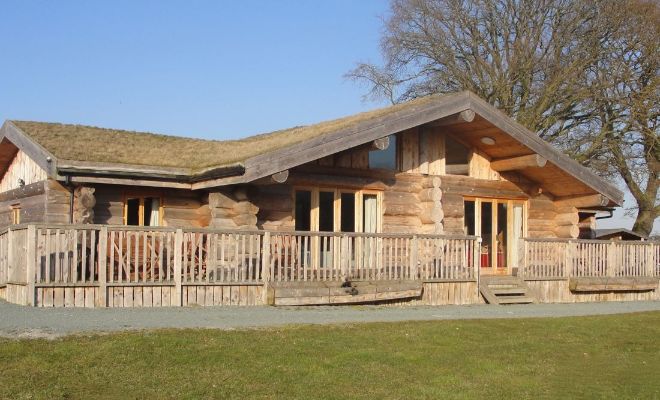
[(119, 266)]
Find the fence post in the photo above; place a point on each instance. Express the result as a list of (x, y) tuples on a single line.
[(178, 243), (611, 260), (265, 268), (10, 255), (414, 247), (476, 262), (524, 258), (102, 294), (31, 244), (568, 259)]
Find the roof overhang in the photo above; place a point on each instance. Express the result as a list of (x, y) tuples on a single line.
[(275, 162)]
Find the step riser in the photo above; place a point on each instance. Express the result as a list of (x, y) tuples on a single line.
[(505, 290)]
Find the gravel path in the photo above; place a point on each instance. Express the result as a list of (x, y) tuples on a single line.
[(25, 322)]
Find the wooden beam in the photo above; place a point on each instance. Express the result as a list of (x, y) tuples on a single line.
[(458, 118), (381, 143), (280, 177), (539, 146), (521, 162), (592, 200), (32, 149), (130, 182)]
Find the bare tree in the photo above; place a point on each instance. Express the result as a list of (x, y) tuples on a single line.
[(544, 62)]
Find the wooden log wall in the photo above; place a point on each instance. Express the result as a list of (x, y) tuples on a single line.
[(31, 199), (547, 220), (231, 208), (275, 203), (21, 167), (58, 202), (181, 208)]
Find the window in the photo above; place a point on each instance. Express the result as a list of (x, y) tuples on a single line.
[(15, 214), (142, 211), (384, 159), (335, 210), (457, 157)]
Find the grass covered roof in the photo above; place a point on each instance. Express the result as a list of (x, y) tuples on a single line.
[(93, 144)]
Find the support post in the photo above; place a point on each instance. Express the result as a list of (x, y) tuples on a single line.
[(568, 259), (476, 254), (651, 262), (10, 255), (178, 243), (612, 264), (31, 244), (102, 294), (265, 268), (414, 255)]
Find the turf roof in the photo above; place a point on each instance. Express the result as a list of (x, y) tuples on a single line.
[(93, 144)]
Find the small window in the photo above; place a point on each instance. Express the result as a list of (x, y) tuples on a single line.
[(142, 211), (15, 214), (457, 157), (469, 219), (303, 210), (384, 159)]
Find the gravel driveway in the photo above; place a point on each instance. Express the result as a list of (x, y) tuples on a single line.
[(26, 322)]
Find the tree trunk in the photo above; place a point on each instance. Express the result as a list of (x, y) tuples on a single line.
[(644, 222)]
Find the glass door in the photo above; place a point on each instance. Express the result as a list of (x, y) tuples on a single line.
[(500, 224)]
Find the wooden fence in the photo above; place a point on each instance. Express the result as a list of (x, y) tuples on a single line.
[(560, 258), (91, 261)]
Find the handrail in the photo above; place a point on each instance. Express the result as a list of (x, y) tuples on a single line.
[(234, 231), (568, 258)]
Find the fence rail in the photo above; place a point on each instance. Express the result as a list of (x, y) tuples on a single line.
[(556, 258), (73, 256)]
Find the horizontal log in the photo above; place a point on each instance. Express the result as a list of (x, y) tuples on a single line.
[(516, 163), (430, 182), (220, 199), (245, 207), (245, 219), (222, 223), (431, 215), (462, 117), (567, 219), (402, 209), (567, 231), (430, 195), (402, 220), (280, 177), (594, 200), (381, 143)]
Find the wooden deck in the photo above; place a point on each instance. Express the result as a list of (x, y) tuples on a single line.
[(116, 266)]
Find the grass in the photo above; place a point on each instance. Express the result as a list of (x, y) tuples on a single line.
[(600, 357), (88, 143)]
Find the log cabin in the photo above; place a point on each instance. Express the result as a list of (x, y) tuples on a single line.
[(441, 200)]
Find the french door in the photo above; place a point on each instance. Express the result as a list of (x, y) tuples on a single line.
[(501, 224)]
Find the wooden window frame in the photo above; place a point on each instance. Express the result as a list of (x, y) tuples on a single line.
[(359, 195), (141, 196), (15, 214), (510, 203)]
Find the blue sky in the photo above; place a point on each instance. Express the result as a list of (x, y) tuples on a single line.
[(210, 69)]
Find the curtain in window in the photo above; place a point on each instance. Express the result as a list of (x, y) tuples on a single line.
[(154, 216), (370, 214)]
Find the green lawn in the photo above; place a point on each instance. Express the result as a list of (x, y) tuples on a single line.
[(594, 357)]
